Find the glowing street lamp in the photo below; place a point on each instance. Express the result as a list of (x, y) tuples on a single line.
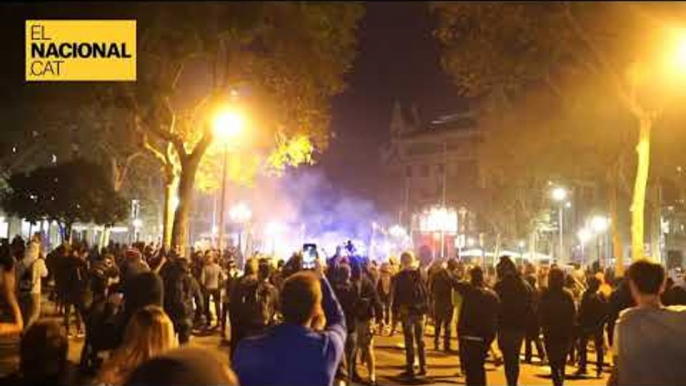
[(584, 235), (559, 195), (599, 224), (240, 213), (227, 124)]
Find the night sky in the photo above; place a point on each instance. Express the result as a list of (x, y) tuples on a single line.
[(398, 59)]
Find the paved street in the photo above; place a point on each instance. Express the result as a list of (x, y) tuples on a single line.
[(442, 367)]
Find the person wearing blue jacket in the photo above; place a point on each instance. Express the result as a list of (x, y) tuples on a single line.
[(304, 350)]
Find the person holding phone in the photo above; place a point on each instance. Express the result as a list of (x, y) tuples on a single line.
[(314, 327)]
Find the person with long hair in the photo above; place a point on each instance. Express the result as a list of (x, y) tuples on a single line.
[(149, 333)]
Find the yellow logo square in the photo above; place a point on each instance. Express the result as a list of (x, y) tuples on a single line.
[(80, 50)]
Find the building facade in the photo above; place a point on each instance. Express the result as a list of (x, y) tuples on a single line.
[(435, 164)]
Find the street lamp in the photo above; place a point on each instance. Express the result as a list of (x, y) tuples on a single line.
[(584, 235), (227, 125), (559, 195), (240, 213), (599, 225)]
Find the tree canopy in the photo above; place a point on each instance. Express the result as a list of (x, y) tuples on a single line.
[(66, 193)]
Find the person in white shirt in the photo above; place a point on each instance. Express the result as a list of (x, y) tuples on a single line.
[(30, 270), (649, 338)]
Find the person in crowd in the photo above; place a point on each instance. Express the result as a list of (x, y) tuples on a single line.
[(314, 328), (557, 315), (477, 324), (674, 294), (11, 321), (411, 304), (649, 337), (187, 366), (101, 321), (149, 333), (42, 357), (383, 289), (592, 318), (367, 310), (74, 272), (533, 329), (133, 265), (229, 283), (620, 299), (211, 279), (348, 296), (516, 298), (30, 271), (181, 291), (244, 308), (441, 291)]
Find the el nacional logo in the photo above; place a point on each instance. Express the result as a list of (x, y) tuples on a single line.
[(80, 50)]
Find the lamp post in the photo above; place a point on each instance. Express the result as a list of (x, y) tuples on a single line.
[(240, 213), (227, 124), (584, 235), (599, 225), (559, 194)]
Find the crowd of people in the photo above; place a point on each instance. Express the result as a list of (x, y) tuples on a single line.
[(137, 307)]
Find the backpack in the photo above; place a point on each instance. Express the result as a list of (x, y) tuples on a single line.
[(25, 283), (420, 294), (257, 304), (363, 308)]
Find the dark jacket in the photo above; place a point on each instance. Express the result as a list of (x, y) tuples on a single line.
[(479, 311), (441, 289), (410, 294), (347, 295), (369, 304), (516, 302), (181, 289), (593, 311), (73, 273), (557, 313)]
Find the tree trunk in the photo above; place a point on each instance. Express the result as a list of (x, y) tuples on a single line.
[(639, 195), (170, 192), (617, 246), (180, 229)]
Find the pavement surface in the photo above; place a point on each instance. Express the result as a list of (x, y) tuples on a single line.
[(442, 368)]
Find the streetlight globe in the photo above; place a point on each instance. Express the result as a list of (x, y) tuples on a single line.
[(228, 123), (559, 194), (240, 213), (599, 224), (584, 235)]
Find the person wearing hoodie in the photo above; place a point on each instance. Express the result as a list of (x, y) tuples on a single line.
[(516, 302), (30, 270), (649, 338), (557, 314), (592, 319)]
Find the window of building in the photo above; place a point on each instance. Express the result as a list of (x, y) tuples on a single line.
[(424, 172), (408, 171)]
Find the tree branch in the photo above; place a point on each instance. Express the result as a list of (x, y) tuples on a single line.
[(152, 150), (629, 101)]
